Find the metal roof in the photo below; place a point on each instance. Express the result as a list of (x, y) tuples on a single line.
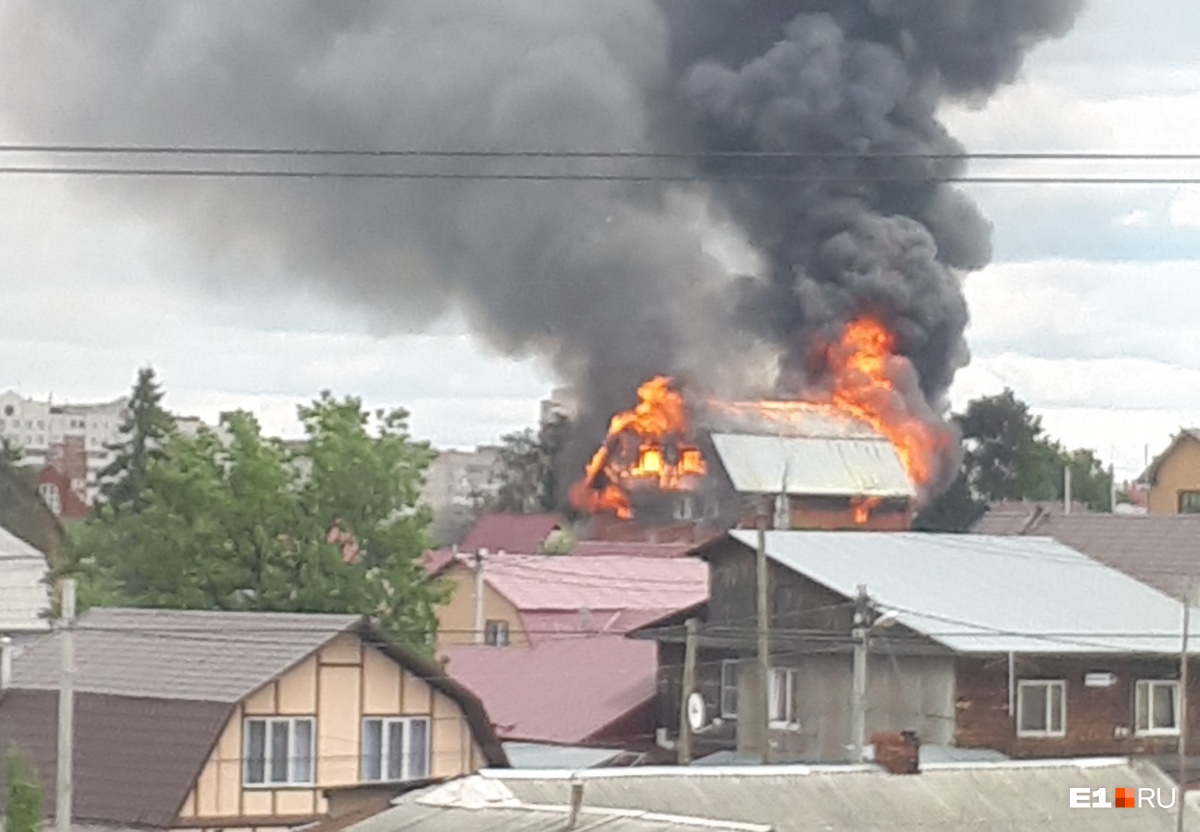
[(24, 593), (981, 594), (477, 804), (542, 756), (984, 797), (850, 467), (1162, 550)]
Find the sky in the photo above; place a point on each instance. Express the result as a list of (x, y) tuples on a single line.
[(1089, 312)]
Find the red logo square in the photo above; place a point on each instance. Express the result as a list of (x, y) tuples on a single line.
[(1124, 799)]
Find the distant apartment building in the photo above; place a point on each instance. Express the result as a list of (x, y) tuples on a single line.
[(456, 482), (563, 403), (69, 438)]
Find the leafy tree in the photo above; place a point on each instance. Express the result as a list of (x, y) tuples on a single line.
[(23, 799), (529, 469), (22, 510), (231, 519), (1008, 456), (144, 433)]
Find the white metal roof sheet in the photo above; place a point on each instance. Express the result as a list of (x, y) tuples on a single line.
[(812, 465), (24, 593), (981, 594)]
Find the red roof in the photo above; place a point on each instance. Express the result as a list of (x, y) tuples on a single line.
[(595, 548), (564, 583), (565, 691), (523, 533)]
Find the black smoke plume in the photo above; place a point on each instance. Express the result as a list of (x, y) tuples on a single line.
[(607, 280)]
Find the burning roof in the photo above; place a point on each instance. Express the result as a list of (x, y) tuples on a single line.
[(853, 435)]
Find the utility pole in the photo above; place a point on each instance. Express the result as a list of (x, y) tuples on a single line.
[(479, 623), (66, 707), (764, 642), (1188, 597), (858, 703), (688, 686)]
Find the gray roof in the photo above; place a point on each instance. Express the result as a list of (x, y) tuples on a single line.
[(24, 593), (173, 654), (828, 466), (1162, 550), (541, 756), (478, 804), (981, 797), (982, 594)]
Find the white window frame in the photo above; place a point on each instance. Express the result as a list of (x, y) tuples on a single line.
[(385, 722), (1145, 687), (496, 633), (1051, 685), (789, 721), (290, 779), (729, 681)]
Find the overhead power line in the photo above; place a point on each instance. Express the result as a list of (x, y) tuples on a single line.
[(216, 173), (201, 150)]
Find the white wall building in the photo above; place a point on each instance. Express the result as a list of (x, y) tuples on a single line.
[(37, 426)]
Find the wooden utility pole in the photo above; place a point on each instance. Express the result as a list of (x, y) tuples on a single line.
[(688, 687), (858, 703), (1181, 804), (764, 637), (66, 708)]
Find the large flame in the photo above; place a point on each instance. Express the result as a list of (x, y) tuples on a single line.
[(645, 447), (863, 366), (649, 446)]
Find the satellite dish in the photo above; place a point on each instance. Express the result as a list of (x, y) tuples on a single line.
[(697, 712)]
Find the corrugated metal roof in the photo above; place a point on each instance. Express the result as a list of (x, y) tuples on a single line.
[(533, 755), (1162, 550), (784, 418), (174, 654), (980, 594), (813, 465), (517, 533), (566, 690), (562, 582), (478, 803), (24, 594), (984, 797)]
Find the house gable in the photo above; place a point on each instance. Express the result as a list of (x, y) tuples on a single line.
[(1177, 470), (456, 618), (338, 686)]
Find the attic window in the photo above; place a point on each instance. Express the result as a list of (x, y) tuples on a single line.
[(1189, 502), (279, 751), (495, 634), (395, 750)]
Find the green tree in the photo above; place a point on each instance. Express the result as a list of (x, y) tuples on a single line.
[(234, 520), (529, 462), (143, 435), (23, 797), (1007, 455)]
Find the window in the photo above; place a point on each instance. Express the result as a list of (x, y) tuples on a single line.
[(279, 751), (1157, 706), (1041, 709), (496, 633), (782, 702), (1189, 502), (50, 496), (729, 690), (685, 508), (395, 749)]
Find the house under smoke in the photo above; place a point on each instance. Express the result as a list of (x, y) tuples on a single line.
[(801, 467)]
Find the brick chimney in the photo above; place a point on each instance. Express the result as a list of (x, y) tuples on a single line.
[(898, 753)]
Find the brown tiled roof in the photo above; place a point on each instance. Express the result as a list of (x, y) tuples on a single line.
[(135, 759), (154, 689), (1159, 550)]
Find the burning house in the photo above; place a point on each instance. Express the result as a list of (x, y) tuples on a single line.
[(851, 455)]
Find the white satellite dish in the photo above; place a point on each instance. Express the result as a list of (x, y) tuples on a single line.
[(697, 711)]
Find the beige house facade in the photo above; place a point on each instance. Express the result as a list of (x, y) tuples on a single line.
[(334, 705), (1174, 477), (459, 619)]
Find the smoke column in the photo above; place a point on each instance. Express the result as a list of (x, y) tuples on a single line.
[(606, 280)]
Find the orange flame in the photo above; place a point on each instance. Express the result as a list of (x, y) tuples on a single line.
[(646, 446), (863, 368)]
